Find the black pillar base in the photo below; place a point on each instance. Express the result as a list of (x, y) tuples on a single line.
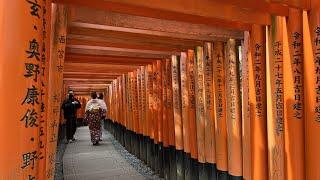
[(172, 161), (160, 160), (187, 166), (180, 164), (166, 163), (235, 177), (211, 171), (156, 158), (222, 175), (194, 171), (203, 175), (148, 151), (152, 155)]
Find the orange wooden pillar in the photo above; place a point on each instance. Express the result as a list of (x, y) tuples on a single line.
[(154, 103), (143, 113), (258, 102), (220, 110), (166, 160), (22, 43), (233, 116), (184, 102), (160, 111), (150, 115), (170, 104), (275, 98), (192, 113), (185, 113), (293, 97), (178, 126), (200, 112), (55, 93), (246, 127), (171, 123), (210, 145), (311, 34)]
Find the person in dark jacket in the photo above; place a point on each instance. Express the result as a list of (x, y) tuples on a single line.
[(70, 106)]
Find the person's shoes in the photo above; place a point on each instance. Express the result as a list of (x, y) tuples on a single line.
[(100, 139), (96, 143), (74, 139), (70, 141)]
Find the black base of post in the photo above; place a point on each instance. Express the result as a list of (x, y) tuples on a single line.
[(180, 164), (194, 171), (235, 177), (202, 171), (152, 155), (160, 162), (172, 161), (146, 149), (137, 145), (187, 166), (140, 141), (222, 175), (211, 171), (149, 151), (132, 143), (166, 163), (156, 158)]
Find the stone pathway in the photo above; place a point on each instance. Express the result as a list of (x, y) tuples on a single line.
[(82, 161)]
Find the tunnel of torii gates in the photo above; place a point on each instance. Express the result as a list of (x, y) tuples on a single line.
[(196, 89)]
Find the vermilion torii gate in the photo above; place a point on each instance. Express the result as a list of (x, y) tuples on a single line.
[(196, 89)]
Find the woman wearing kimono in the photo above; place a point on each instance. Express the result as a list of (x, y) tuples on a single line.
[(94, 111)]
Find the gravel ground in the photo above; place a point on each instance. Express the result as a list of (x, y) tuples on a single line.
[(139, 165)]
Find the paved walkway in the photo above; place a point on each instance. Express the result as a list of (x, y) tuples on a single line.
[(82, 161)]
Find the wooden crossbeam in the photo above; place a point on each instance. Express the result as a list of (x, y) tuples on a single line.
[(96, 59), (199, 12), (151, 26), (115, 53), (102, 31), (128, 45)]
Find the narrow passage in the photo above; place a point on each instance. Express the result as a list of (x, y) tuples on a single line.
[(82, 161)]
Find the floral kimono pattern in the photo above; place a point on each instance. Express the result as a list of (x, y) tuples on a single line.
[(94, 121)]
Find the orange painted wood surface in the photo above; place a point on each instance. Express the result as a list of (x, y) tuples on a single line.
[(220, 106), (200, 104), (154, 102), (275, 99), (165, 104), (294, 97), (55, 86), (233, 109), (176, 96), (159, 118), (258, 102), (192, 103), (149, 75), (246, 126), (210, 144), (311, 36), (185, 102), (170, 116)]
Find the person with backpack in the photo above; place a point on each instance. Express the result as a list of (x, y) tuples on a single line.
[(93, 113)]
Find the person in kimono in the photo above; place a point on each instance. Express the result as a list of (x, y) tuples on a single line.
[(70, 106), (93, 113), (100, 97)]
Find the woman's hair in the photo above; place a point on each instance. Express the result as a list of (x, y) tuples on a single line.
[(100, 96), (93, 95)]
